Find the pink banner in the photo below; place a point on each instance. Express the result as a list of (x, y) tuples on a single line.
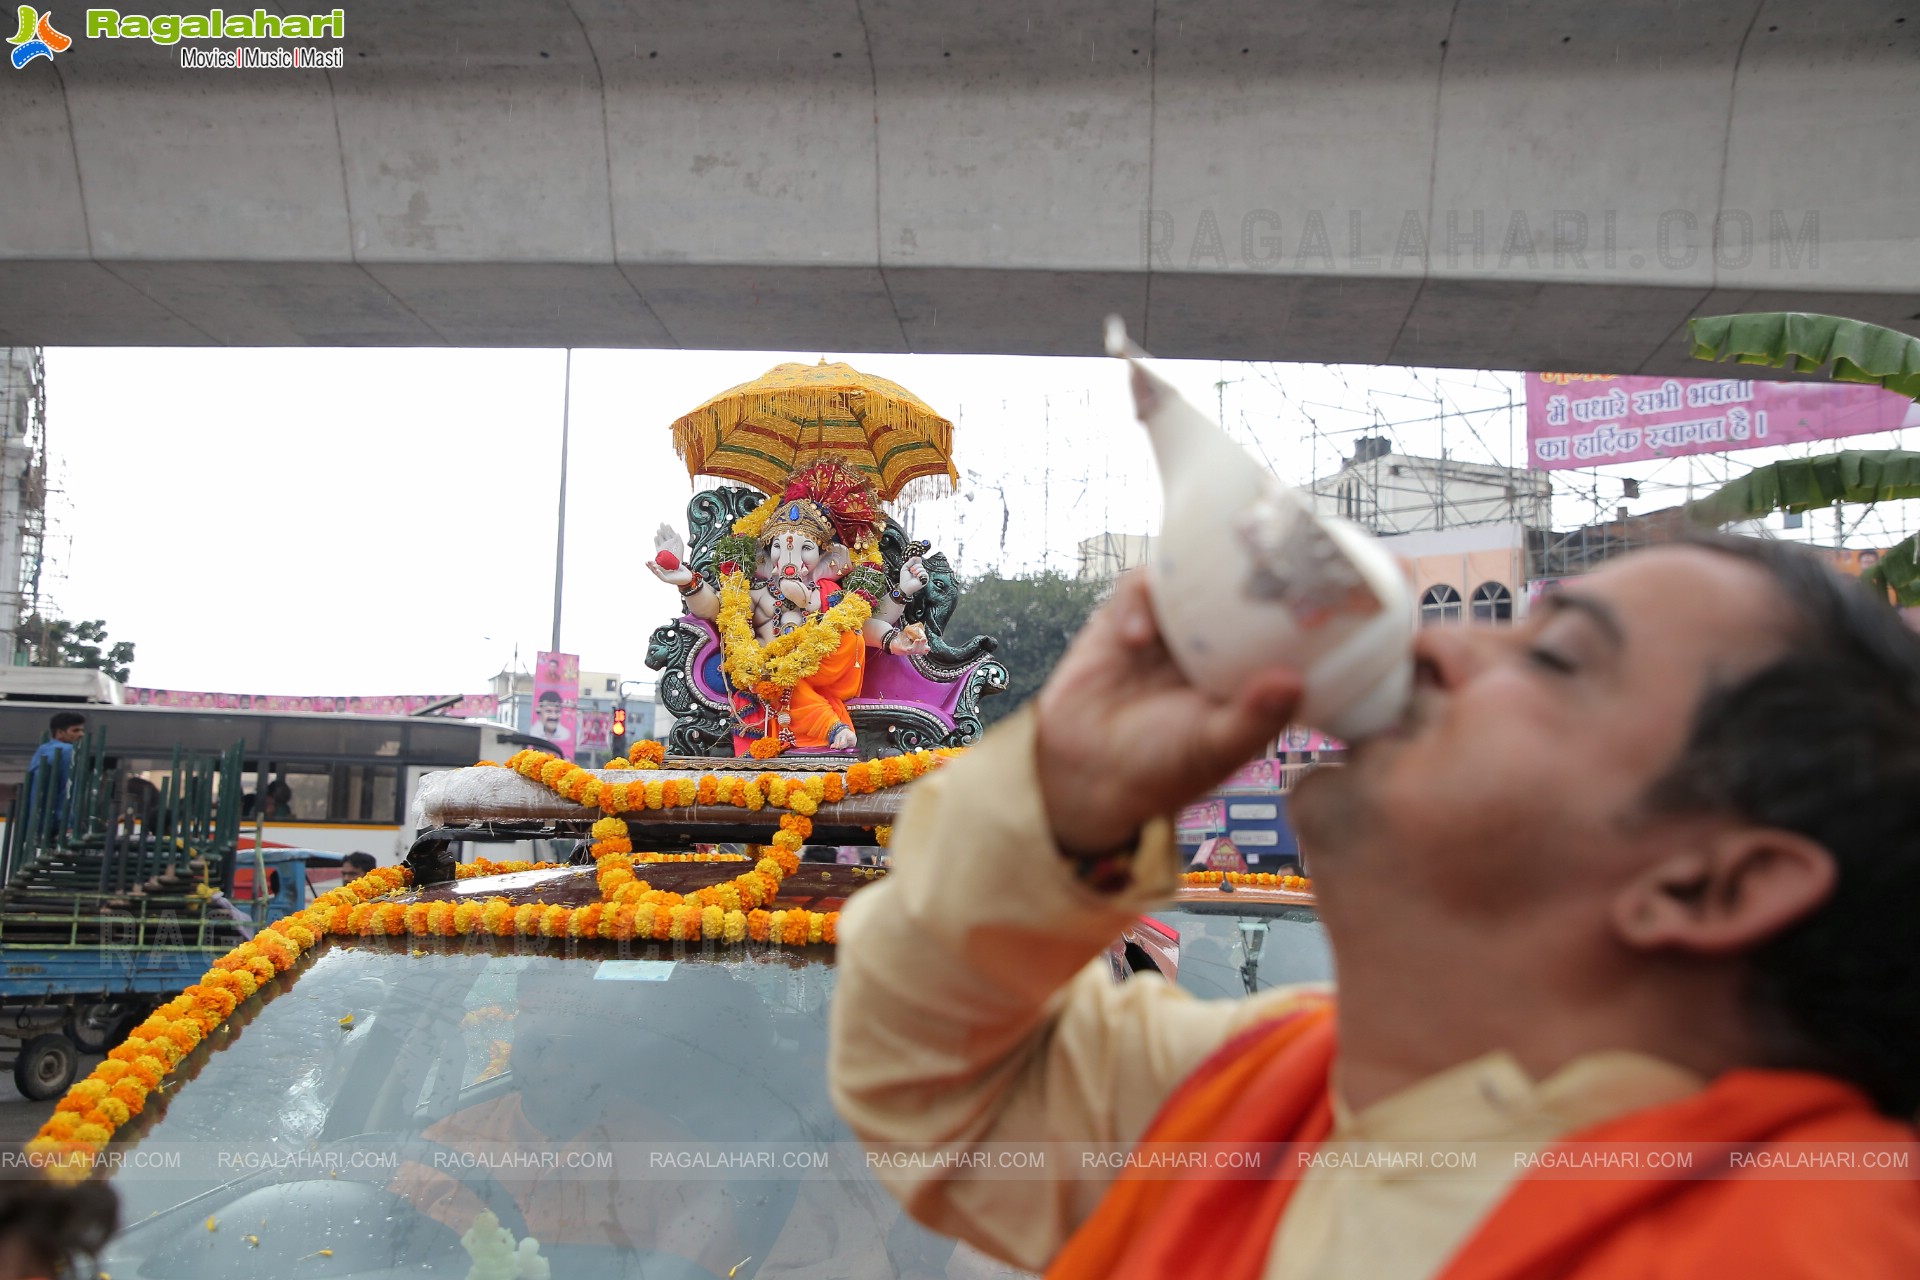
[(471, 706), (556, 700), (1589, 419)]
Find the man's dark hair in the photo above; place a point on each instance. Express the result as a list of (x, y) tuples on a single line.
[(1825, 741), (361, 862), (548, 695), (60, 1228), (65, 720)]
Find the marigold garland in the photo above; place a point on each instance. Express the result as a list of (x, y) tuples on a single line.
[(802, 795), (117, 1090), (1247, 879), (785, 660)]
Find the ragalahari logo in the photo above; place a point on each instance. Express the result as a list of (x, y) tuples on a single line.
[(37, 38)]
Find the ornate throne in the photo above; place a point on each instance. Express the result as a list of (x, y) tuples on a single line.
[(905, 703)]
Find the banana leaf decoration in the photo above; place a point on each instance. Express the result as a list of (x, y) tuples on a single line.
[(1804, 484), (1805, 343), (1859, 352)]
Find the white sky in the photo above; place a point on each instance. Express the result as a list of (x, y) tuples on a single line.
[(306, 521)]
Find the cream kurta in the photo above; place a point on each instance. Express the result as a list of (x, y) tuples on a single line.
[(974, 1006)]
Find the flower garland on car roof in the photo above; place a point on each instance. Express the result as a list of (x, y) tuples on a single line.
[(802, 796), (1247, 880), (629, 909), (117, 1090)]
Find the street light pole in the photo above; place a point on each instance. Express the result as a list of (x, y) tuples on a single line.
[(560, 532)]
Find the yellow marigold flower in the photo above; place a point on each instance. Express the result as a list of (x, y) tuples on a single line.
[(111, 1112), (89, 1091)]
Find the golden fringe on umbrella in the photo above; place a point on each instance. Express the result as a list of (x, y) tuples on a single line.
[(761, 431)]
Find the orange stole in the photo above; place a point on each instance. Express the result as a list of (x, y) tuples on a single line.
[(1270, 1085), (820, 701)]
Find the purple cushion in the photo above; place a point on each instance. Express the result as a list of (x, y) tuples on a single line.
[(889, 680)]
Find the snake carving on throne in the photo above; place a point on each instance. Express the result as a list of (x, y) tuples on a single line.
[(802, 595)]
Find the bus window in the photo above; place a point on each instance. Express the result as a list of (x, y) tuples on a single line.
[(299, 793), (447, 744), (333, 736), (365, 793)]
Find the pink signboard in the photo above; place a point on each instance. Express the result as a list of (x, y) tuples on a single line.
[(1209, 817), (472, 706), (556, 700), (1589, 419)]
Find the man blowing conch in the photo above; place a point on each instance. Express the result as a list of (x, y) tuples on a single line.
[(1641, 870)]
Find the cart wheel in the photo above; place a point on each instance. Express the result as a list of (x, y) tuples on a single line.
[(91, 1025), (45, 1066)]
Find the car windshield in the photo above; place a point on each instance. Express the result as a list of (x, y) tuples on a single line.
[(397, 1110), (1287, 946), (664, 1117)]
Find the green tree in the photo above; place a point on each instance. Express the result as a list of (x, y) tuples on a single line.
[(1033, 618), (56, 642)]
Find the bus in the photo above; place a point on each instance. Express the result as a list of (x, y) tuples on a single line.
[(333, 783)]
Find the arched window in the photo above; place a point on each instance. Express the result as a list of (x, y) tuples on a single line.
[(1439, 603), (1492, 602)]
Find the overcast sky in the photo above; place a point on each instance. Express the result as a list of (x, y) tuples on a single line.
[(316, 522)]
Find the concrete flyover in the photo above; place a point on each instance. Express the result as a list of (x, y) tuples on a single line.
[(1476, 184)]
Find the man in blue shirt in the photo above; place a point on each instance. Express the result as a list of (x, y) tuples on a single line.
[(66, 728)]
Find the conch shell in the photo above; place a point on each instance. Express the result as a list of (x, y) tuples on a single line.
[(1245, 576)]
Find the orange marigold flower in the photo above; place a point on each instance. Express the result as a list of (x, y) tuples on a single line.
[(796, 928), (113, 1071), (132, 1095), (830, 928), (683, 923), (526, 919), (708, 789), (553, 922), (61, 1126), (647, 751), (833, 788), (759, 925), (764, 749), (415, 915), (662, 924)]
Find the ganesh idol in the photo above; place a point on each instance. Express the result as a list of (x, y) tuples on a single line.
[(802, 596)]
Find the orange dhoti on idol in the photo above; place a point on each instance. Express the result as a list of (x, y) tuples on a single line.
[(815, 707)]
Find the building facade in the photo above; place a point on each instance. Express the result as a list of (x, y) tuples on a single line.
[(1397, 493)]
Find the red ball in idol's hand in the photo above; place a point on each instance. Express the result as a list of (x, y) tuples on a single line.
[(667, 560)]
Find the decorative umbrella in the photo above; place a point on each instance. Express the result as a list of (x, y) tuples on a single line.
[(794, 414)]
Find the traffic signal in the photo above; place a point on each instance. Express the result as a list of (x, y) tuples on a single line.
[(620, 722)]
